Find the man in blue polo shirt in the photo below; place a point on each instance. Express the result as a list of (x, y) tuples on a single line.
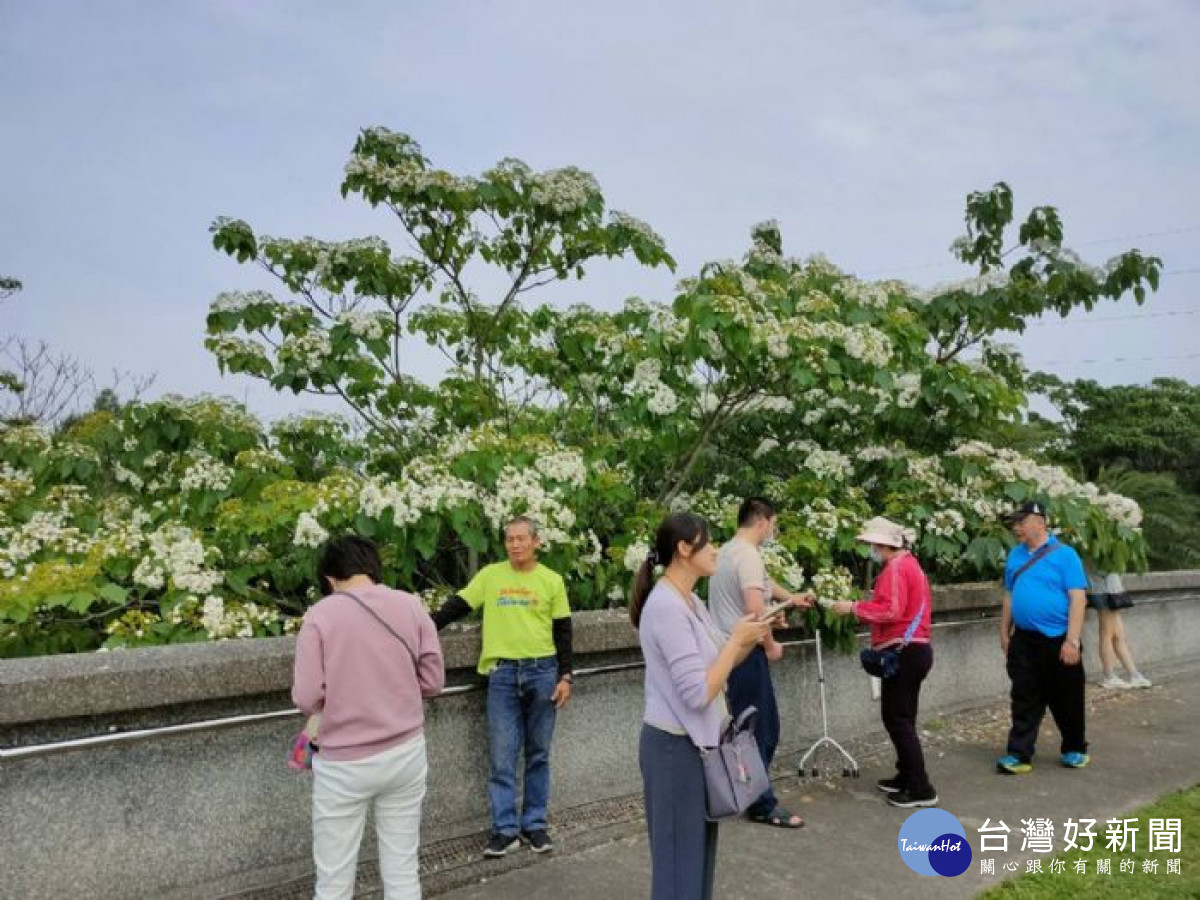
[(1041, 628)]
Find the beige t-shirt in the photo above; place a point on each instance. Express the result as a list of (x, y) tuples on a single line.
[(739, 566)]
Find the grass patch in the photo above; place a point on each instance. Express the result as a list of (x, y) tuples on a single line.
[(1048, 885), (935, 725)]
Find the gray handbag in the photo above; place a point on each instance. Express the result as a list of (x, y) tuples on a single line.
[(734, 774)]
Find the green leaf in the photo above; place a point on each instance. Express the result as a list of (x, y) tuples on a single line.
[(81, 602), (114, 593)]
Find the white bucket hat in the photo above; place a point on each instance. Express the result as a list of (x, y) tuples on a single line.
[(886, 532)]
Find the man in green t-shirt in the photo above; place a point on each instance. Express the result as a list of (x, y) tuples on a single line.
[(526, 657)]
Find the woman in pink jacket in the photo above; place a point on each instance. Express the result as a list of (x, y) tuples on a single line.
[(366, 657), (898, 614)]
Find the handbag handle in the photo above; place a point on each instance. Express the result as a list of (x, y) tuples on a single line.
[(378, 618), (744, 722)]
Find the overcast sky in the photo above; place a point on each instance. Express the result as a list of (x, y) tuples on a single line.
[(128, 127)]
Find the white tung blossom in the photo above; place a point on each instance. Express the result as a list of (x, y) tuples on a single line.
[(14, 483), (660, 398), (309, 349), (176, 558), (637, 226), (946, 523), (229, 346), (874, 454), (206, 473), (564, 465), (309, 532), (240, 301), (673, 329), (370, 326), (828, 464), (823, 518), (867, 293), (765, 446), (908, 390), (782, 566), (519, 491), (834, 584), (564, 190), (635, 555)]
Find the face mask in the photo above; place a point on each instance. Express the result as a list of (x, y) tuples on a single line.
[(876, 556)]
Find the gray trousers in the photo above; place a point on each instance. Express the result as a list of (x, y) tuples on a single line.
[(683, 843)]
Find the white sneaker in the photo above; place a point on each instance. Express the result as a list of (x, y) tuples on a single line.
[(1114, 682), (1138, 680)]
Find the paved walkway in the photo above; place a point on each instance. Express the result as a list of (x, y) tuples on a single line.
[(1144, 745)]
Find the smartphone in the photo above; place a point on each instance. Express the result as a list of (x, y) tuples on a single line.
[(775, 609)]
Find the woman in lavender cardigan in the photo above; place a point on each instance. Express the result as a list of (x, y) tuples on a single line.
[(687, 666)]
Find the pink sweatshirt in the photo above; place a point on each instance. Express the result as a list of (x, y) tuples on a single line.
[(354, 672)]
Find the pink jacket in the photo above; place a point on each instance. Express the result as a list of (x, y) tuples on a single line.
[(899, 590), (354, 672)]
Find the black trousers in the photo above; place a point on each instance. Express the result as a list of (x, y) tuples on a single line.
[(683, 843), (899, 699), (1040, 680)]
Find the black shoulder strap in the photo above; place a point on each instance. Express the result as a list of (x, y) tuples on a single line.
[(1042, 553), (378, 618)]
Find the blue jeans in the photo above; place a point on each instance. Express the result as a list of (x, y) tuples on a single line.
[(520, 714), (750, 685)]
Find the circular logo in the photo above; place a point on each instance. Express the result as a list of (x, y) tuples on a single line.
[(933, 842)]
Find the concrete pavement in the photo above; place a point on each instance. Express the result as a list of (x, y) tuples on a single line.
[(1143, 743)]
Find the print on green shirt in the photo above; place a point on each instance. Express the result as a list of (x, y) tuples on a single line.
[(518, 611)]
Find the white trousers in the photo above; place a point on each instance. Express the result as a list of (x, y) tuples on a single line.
[(393, 783)]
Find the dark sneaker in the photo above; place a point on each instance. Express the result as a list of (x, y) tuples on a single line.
[(890, 785), (908, 799), (538, 841), (500, 844)]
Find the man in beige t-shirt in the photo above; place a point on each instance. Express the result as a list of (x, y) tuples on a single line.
[(740, 586)]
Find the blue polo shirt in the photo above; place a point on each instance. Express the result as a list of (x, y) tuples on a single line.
[(1040, 601)]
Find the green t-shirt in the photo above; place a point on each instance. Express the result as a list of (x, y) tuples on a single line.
[(518, 608)]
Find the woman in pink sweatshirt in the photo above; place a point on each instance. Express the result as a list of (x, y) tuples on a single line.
[(366, 657), (898, 614)]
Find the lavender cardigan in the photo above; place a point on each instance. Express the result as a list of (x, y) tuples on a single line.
[(678, 647)]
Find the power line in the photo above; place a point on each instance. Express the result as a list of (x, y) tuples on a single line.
[(1114, 359), (1133, 237), (1187, 229), (1089, 321)]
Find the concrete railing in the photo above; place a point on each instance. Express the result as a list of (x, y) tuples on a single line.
[(161, 771)]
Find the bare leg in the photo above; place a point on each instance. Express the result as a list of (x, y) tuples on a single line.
[(1107, 652), (1119, 644)]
